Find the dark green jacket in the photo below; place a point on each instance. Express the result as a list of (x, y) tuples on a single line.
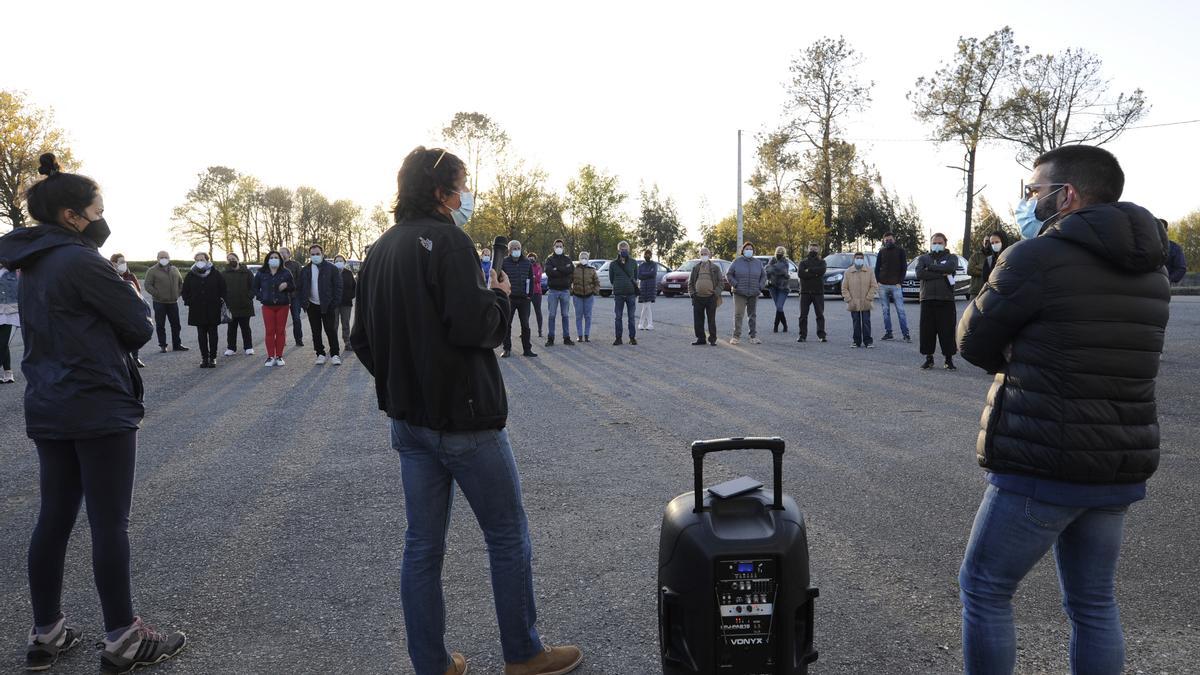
[(239, 290), (623, 276)]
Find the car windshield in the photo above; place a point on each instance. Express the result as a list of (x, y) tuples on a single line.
[(839, 260), (687, 266)]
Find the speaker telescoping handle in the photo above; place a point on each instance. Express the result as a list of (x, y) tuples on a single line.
[(702, 448)]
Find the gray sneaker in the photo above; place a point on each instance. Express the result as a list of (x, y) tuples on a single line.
[(141, 645), (42, 651)]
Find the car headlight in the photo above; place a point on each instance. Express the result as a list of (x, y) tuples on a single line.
[(834, 278)]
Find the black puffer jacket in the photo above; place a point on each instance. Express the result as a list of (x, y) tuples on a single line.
[(80, 320), (1072, 323), (812, 274), (520, 275)]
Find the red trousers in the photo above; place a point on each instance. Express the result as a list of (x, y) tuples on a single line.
[(275, 318)]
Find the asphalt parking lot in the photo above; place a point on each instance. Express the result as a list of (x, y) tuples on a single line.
[(268, 515)]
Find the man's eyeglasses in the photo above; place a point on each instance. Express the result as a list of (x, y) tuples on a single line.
[(1033, 189)]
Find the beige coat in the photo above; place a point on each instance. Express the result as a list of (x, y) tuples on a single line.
[(859, 288)]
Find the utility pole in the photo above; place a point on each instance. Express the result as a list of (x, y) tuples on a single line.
[(739, 192)]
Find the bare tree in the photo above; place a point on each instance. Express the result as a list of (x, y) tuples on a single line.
[(1061, 99), (822, 92), (479, 137), (962, 100)]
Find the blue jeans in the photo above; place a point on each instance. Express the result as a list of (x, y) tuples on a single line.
[(556, 300), (583, 315), (893, 295), (482, 464), (627, 303), (779, 295), (862, 327), (1010, 535)]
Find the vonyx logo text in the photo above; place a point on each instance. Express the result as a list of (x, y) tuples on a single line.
[(741, 642)]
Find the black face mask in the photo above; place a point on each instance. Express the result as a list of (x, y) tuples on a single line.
[(97, 231), (889, 244), (812, 254)]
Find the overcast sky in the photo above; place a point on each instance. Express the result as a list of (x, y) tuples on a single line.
[(333, 95)]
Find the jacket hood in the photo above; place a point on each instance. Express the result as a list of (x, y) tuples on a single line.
[(22, 246), (1123, 233)]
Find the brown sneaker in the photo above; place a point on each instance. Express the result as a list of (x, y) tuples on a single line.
[(458, 665), (553, 661)]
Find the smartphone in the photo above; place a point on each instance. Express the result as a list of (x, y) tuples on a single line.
[(735, 487)]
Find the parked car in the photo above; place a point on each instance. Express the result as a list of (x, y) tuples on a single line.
[(254, 268), (962, 282), (606, 281), (546, 280), (676, 282), (793, 275), (835, 268)]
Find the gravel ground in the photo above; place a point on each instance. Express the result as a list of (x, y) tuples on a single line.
[(268, 516)]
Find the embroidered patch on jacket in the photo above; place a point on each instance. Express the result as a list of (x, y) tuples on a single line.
[(426, 243)]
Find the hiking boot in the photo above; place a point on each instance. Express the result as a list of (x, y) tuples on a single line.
[(528, 353), (550, 341), (553, 661), (633, 341), (617, 342), (42, 651), (907, 338), (458, 665), (886, 336), (928, 363), (950, 363), (141, 645), (568, 342), (162, 349)]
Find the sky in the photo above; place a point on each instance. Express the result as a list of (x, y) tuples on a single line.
[(333, 95)]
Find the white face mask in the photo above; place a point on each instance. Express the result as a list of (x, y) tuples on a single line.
[(164, 261), (860, 262), (749, 253), (274, 263), (997, 247), (201, 265), (705, 258), (937, 248), (487, 258), (516, 254), (122, 268), (583, 260), (317, 258), (558, 250), (463, 213), (340, 265)]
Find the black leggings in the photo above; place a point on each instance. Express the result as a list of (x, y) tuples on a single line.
[(535, 301), (242, 322), (5, 356), (207, 336), (99, 470)]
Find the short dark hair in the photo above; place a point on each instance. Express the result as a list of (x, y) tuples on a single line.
[(267, 259), (560, 241), (889, 233), (58, 191), (936, 235), (1003, 237), (115, 257), (1093, 171), (424, 172), (310, 248)]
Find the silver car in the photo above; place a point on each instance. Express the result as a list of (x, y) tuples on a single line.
[(962, 282)]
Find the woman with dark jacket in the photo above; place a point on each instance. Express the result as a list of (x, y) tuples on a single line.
[(535, 290), (779, 279), (10, 318), (239, 298), (204, 293), (83, 405), (647, 274), (983, 261), (273, 286), (346, 306), (122, 267)]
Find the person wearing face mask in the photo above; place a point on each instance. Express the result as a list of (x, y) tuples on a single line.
[(320, 286), (204, 292), (1071, 323), (485, 263), (10, 319), (83, 405), (426, 328), (520, 274), (747, 275), (346, 306), (622, 272), (983, 261), (122, 267), (273, 284), (559, 273), (1176, 261), (858, 291), (535, 289), (891, 265), (297, 308), (164, 283), (936, 270), (647, 276), (812, 291), (779, 279), (704, 287), (585, 284), (239, 298)]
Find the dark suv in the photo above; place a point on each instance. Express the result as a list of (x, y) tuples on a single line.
[(836, 265)]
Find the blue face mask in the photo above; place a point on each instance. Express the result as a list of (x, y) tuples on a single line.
[(317, 259), (516, 254), (937, 248), (749, 253), (463, 213), (860, 262), (1026, 212)]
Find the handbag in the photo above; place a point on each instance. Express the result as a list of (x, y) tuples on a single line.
[(226, 316)]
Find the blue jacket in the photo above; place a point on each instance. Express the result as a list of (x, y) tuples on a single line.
[(1176, 263), (747, 276), (8, 287), (266, 287), (80, 321), (329, 286), (647, 281)]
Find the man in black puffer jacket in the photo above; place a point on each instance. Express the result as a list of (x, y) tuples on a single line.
[(1072, 324), (519, 271)]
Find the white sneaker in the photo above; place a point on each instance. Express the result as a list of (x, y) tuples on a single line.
[(321, 360), (229, 352), (250, 351), (279, 362), (336, 360), (734, 341), (270, 362), (755, 341), (7, 377)]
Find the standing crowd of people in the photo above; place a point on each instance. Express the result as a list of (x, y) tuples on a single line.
[(1062, 467)]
